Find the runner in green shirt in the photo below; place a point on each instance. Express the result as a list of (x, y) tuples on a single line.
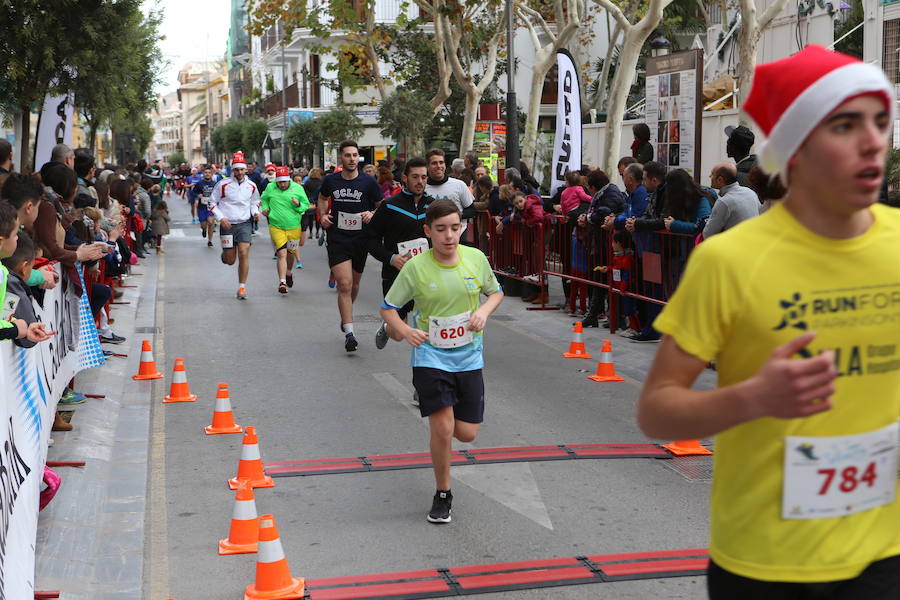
[(446, 283), (283, 204)]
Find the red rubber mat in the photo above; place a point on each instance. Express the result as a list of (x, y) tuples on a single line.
[(480, 456), (503, 577)]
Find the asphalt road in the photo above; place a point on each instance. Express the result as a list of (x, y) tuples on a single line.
[(289, 376)]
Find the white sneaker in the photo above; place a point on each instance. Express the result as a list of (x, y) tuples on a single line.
[(628, 332)]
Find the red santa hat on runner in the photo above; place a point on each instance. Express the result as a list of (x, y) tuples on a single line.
[(282, 174), (270, 167), (237, 161), (791, 96)]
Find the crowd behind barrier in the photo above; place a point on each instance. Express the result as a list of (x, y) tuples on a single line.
[(585, 261)]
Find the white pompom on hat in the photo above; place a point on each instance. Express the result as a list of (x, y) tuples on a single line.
[(791, 96)]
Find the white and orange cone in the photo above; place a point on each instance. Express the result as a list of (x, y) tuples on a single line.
[(243, 534), (606, 369), (250, 466), (223, 418), (576, 346), (179, 391), (273, 575), (147, 368), (687, 448)]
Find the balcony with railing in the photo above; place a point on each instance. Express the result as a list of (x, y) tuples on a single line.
[(272, 105)]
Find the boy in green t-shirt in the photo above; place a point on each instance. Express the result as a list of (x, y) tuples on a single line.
[(283, 204), (447, 357)]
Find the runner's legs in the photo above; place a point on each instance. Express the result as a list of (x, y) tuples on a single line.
[(443, 429), (243, 251), (282, 265)]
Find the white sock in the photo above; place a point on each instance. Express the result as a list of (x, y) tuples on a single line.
[(282, 281), (105, 329), (347, 327)]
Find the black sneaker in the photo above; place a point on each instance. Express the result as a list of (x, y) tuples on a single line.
[(350, 343), (381, 336), (112, 339), (440, 507), (289, 280), (209, 244), (203, 231)]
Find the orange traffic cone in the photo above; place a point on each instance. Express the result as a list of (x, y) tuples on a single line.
[(273, 575), (606, 370), (147, 368), (250, 466), (223, 418), (576, 346), (244, 532), (687, 448), (179, 391)]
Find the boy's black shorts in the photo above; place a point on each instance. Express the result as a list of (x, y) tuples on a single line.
[(464, 391)]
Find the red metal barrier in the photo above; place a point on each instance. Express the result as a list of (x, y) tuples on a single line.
[(583, 257)]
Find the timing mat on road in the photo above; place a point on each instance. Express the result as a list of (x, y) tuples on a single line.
[(480, 456), (511, 576)]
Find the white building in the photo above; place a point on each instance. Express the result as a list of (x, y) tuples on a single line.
[(166, 121)]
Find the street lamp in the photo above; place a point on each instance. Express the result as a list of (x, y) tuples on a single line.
[(512, 113), (659, 46)]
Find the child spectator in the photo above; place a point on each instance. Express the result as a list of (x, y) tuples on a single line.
[(11, 326), (161, 224), (578, 266), (155, 195), (622, 268), (574, 193)]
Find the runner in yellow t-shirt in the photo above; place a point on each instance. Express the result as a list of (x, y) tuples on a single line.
[(801, 309)]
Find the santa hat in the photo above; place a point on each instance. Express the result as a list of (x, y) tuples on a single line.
[(282, 173), (270, 166), (237, 161), (790, 97)]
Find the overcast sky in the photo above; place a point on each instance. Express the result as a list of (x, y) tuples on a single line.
[(194, 30)]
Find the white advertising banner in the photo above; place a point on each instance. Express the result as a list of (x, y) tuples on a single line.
[(31, 382), (567, 144), (54, 127)]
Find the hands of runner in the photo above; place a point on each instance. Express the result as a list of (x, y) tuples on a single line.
[(266, 213), (414, 336), (296, 202), (399, 260), (325, 221), (477, 321), (256, 217), (787, 388), (225, 224), (366, 216)]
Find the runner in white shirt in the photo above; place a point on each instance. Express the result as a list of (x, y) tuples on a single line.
[(440, 186), (235, 204)]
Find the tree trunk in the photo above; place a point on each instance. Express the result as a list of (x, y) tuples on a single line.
[(92, 128), (621, 85), (24, 158), (467, 141), (529, 145), (602, 87), (746, 62)]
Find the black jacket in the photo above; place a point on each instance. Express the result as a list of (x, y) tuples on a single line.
[(398, 219), (653, 219), (611, 201), (24, 308)]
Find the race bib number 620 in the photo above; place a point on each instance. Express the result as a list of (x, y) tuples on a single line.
[(450, 332)]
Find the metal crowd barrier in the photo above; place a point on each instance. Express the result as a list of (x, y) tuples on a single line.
[(561, 249)]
